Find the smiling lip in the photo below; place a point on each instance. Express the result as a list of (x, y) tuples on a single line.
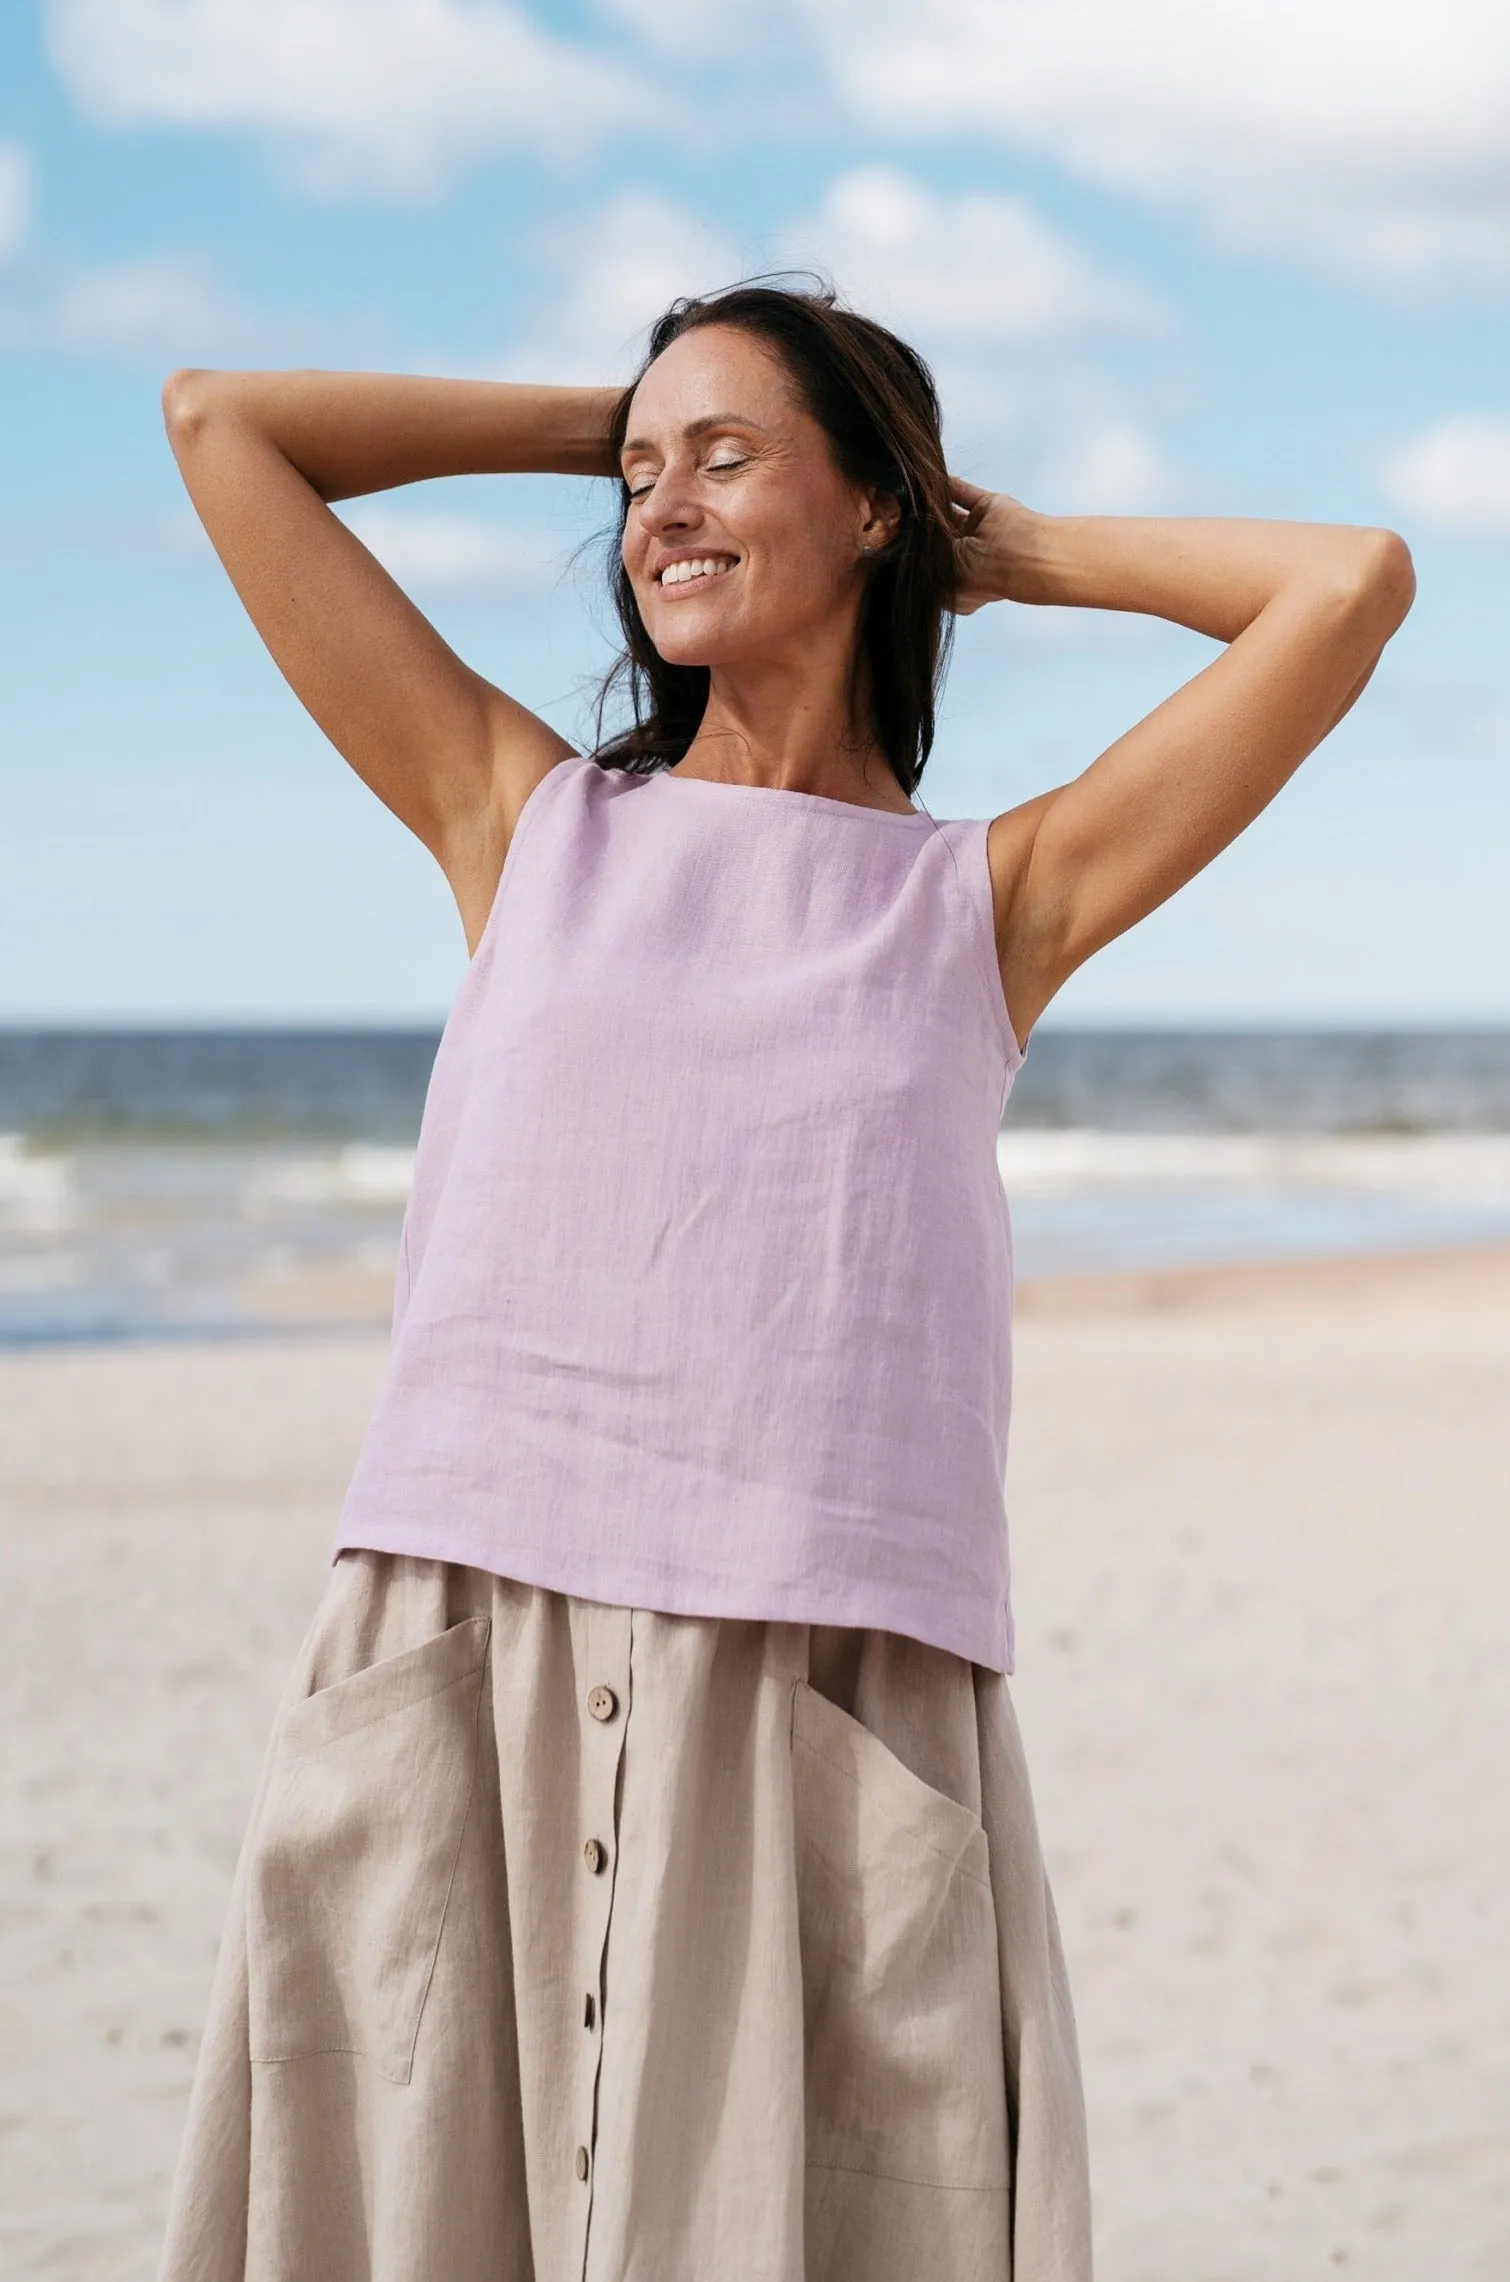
[(693, 573)]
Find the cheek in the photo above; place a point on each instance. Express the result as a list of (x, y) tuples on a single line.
[(634, 550), (810, 534), (807, 566)]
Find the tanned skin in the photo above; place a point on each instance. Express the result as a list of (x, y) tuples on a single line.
[(727, 467)]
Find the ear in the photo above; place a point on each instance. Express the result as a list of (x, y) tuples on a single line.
[(882, 516)]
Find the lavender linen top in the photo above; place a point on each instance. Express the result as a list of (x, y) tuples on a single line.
[(704, 1302)]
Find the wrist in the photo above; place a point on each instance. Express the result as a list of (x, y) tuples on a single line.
[(598, 408), (1022, 550), (574, 431)]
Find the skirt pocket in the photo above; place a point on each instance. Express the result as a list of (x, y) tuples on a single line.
[(355, 1848), (905, 2076)]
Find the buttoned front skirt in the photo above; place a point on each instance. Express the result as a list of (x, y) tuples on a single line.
[(577, 1943)]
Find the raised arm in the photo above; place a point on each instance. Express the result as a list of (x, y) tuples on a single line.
[(1305, 610), (262, 454)]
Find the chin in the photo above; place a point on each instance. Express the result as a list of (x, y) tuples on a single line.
[(690, 648)]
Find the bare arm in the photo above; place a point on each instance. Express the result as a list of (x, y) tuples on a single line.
[(262, 454), (1305, 610)]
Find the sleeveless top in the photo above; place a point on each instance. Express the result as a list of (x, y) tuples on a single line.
[(704, 1296)]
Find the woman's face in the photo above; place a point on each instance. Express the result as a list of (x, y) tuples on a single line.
[(742, 536)]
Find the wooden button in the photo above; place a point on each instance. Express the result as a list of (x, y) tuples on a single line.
[(581, 2163), (595, 1854), (602, 1703)]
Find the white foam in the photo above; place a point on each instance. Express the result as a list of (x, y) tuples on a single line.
[(1461, 1168), (363, 1174), (35, 1192)]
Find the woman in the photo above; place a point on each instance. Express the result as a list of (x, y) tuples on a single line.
[(643, 1881)]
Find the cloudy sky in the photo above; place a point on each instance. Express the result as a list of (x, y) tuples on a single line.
[(1212, 256)]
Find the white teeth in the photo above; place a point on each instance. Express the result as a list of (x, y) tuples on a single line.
[(677, 574)]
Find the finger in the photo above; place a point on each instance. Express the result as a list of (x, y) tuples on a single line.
[(969, 502)]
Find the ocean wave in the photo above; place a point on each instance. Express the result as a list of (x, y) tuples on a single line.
[(1467, 1168), (36, 1193), (363, 1174)]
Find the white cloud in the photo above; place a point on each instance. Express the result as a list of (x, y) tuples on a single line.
[(15, 198), (159, 306), (396, 92), (619, 268), (180, 533), (1374, 134), (1454, 479), (966, 274), (696, 27), (1002, 303), (972, 271), (1109, 467), (1368, 134), (448, 550), (1447, 712)]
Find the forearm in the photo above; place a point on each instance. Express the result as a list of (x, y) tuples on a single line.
[(1214, 574), (350, 433)]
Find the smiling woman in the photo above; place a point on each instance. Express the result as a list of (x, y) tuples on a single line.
[(853, 470), (644, 1879)]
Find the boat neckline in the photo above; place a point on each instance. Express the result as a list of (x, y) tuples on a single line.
[(792, 792)]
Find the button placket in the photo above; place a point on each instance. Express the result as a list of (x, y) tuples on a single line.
[(603, 1655)]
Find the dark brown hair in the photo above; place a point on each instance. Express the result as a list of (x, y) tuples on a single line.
[(875, 399)]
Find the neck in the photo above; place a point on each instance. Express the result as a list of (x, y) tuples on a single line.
[(792, 729)]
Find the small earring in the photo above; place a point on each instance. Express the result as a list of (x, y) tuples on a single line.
[(867, 554)]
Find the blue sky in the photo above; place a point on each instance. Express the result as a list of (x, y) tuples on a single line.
[(1252, 259)]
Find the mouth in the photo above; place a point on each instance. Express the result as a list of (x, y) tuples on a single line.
[(694, 574)]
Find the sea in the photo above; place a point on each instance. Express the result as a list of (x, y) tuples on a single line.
[(182, 1183)]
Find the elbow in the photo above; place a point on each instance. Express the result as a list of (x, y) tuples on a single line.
[(190, 397), (1384, 582), (184, 395)]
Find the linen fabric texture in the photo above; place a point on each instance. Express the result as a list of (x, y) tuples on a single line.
[(580, 1941), (704, 1302)]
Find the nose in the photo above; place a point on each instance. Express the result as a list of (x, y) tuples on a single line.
[(671, 505)]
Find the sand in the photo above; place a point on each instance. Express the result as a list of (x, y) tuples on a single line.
[(1262, 1530)]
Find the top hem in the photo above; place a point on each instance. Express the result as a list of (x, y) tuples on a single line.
[(772, 1604)]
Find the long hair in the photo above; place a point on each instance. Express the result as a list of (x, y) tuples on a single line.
[(875, 400)]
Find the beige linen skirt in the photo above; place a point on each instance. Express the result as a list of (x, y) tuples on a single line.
[(576, 1943)]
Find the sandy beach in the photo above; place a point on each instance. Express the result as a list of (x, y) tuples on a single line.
[(1262, 1538)]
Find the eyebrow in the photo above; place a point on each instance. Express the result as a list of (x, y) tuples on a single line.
[(696, 428)]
